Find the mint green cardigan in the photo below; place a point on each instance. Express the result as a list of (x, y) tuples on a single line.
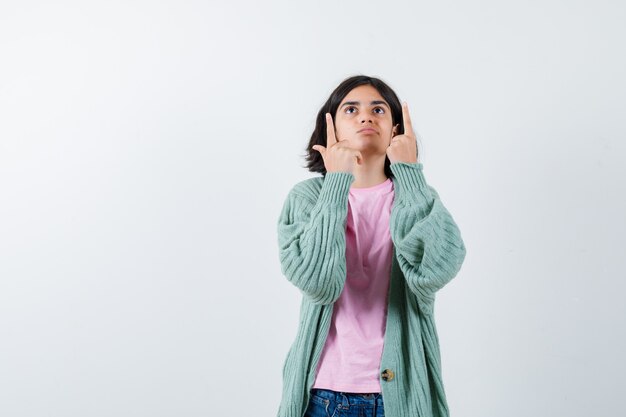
[(428, 253)]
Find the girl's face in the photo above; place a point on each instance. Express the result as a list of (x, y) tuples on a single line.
[(364, 118)]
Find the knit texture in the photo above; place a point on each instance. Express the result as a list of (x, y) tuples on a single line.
[(428, 253)]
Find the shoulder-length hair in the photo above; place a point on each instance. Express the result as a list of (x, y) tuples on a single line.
[(314, 161)]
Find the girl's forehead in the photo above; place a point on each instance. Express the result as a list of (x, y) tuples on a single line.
[(363, 95)]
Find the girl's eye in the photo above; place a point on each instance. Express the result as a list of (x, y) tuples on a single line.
[(378, 110)]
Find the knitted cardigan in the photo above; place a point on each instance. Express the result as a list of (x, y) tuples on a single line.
[(428, 252)]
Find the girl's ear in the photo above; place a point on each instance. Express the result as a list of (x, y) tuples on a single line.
[(394, 131)]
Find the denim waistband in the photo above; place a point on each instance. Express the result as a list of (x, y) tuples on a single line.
[(349, 398)]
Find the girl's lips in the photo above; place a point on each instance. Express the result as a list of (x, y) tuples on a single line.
[(367, 131)]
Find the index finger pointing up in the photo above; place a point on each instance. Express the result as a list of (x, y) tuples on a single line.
[(331, 139), (408, 127)]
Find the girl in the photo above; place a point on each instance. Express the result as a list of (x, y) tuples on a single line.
[(368, 244)]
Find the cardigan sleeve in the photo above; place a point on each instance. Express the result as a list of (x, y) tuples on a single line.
[(311, 238), (428, 243)]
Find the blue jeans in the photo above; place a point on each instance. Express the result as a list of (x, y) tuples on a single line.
[(328, 403)]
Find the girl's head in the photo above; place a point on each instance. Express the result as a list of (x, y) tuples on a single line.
[(358, 102)]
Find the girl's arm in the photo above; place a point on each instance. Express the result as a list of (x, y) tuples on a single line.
[(312, 239), (428, 243)]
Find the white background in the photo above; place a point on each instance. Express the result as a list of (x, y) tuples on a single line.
[(146, 149)]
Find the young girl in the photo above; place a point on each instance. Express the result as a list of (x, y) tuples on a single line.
[(368, 244)]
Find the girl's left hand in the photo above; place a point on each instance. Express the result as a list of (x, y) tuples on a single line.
[(403, 148)]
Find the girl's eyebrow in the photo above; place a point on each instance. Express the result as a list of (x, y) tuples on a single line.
[(358, 103)]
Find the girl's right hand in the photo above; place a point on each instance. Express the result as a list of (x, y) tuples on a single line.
[(337, 155)]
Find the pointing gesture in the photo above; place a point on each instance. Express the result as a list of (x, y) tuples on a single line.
[(403, 148), (337, 155)]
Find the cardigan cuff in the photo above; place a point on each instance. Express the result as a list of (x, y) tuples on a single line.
[(411, 182), (335, 187)]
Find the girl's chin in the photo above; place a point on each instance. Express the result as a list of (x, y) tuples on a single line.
[(365, 142), (371, 150)]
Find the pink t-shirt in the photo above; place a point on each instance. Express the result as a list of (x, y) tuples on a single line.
[(350, 360)]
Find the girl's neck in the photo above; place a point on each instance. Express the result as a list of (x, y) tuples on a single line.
[(370, 173)]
